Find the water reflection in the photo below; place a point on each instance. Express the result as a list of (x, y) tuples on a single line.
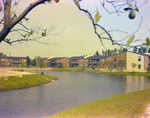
[(70, 90), (134, 83)]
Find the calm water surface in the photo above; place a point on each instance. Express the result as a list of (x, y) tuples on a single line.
[(70, 90)]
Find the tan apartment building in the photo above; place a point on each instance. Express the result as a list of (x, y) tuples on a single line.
[(98, 61), (12, 61), (57, 62), (76, 61), (142, 61)]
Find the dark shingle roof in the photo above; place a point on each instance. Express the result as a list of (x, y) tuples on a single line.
[(13, 57), (97, 57), (56, 58), (16, 57)]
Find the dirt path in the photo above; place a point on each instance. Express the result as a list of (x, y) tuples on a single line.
[(147, 112), (12, 72)]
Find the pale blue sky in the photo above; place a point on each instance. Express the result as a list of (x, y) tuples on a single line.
[(78, 37)]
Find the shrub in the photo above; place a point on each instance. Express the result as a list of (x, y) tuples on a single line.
[(42, 73), (148, 69), (93, 67)]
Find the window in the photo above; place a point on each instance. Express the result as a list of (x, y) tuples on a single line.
[(68, 60), (3, 59), (139, 58), (114, 58), (86, 60), (81, 60), (90, 60), (67, 64), (114, 65), (77, 60), (103, 60), (86, 65), (103, 65), (139, 66)]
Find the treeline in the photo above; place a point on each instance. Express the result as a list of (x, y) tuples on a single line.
[(32, 62), (111, 52), (2, 54), (115, 51), (141, 50)]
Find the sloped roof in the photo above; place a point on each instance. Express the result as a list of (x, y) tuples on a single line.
[(97, 57), (56, 58), (13, 57), (140, 53), (77, 57)]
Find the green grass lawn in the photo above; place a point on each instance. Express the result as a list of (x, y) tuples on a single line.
[(98, 71), (127, 105), (14, 82), (70, 69)]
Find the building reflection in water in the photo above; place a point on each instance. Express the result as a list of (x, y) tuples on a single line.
[(135, 83)]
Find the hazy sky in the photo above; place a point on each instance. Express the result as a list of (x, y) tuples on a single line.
[(78, 37)]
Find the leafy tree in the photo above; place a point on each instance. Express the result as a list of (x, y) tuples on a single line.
[(97, 53), (148, 69), (133, 66), (120, 50), (41, 62), (121, 64), (33, 62), (23, 64), (116, 7), (142, 50), (11, 18), (135, 49), (28, 61), (103, 52), (115, 50), (125, 49), (93, 67), (109, 53), (147, 44), (2, 54), (109, 64)]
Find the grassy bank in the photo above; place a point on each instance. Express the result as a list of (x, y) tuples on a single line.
[(127, 105), (14, 82), (100, 71), (70, 69)]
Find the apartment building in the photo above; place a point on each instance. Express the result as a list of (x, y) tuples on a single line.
[(12, 61), (98, 61), (76, 61), (142, 61), (57, 62)]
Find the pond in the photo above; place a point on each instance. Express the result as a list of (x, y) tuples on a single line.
[(70, 90)]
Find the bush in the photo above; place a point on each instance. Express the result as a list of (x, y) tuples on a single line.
[(93, 67), (148, 69), (42, 73)]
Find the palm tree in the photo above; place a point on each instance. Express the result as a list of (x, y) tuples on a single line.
[(121, 64)]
